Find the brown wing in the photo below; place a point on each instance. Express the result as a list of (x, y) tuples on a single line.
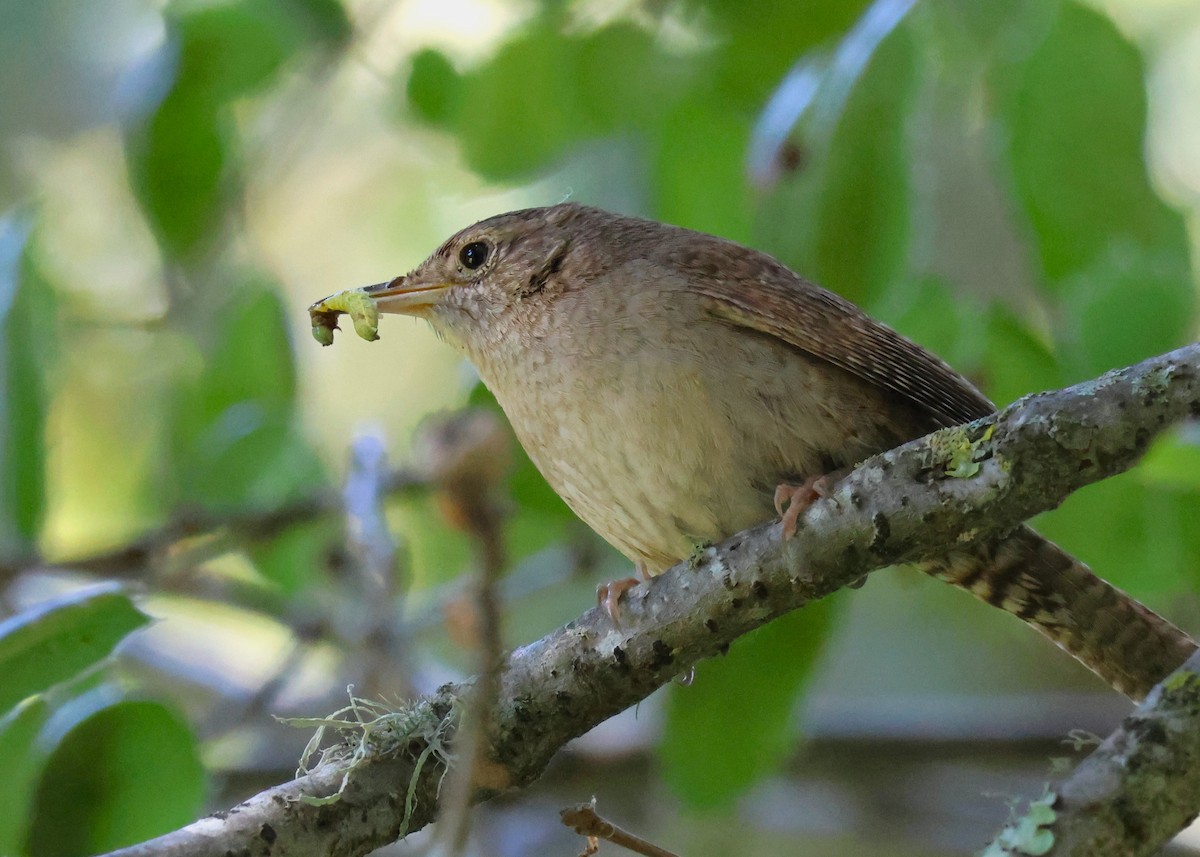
[(749, 289)]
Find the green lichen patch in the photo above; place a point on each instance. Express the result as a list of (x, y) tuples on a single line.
[(1030, 835), (954, 450)]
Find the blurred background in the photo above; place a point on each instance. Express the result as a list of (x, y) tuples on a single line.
[(1013, 184)]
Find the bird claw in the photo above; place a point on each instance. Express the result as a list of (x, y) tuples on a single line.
[(608, 594), (797, 499)]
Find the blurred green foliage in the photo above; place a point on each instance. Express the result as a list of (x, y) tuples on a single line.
[(973, 174)]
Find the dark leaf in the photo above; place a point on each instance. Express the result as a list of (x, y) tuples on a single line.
[(125, 774), (734, 724)]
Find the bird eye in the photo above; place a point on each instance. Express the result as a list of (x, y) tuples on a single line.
[(473, 255)]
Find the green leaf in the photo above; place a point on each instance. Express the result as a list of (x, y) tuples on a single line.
[(229, 50), (1125, 533), (733, 725), (841, 216), (180, 163), (927, 311), (1018, 360), (57, 640), (234, 437), (22, 764), (1172, 462), (27, 341), (519, 112), (699, 179), (1129, 304), (325, 19), (127, 773), (760, 41), (293, 559), (183, 159), (1076, 117), (434, 87)]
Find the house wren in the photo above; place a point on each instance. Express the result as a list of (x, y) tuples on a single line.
[(667, 382)]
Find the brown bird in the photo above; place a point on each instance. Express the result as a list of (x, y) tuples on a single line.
[(667, 383)]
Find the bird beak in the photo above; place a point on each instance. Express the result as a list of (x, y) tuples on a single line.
[(404, 298)]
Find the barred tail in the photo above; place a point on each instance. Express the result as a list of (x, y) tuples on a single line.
[(1129, 646)]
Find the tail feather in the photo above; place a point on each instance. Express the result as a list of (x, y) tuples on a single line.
[(1128, 645)]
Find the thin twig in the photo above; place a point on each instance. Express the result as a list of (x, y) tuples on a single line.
[(131, 560), (584, 820), (468, 457)]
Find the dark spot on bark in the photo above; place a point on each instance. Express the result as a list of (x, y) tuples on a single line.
[(904, 502), (267, 834), (724, 650), (856, 500), (734, 545), (760, 590), (661, 655), (882, 531), (727, 581), (619, 655), (220, 814), (553, 673), (736, 604), (1086, 464), (563, 698), (1148, 729), (711, 625), (1141, 438)]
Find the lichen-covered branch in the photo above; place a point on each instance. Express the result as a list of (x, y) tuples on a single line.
[(1133, 793), (918, 500)]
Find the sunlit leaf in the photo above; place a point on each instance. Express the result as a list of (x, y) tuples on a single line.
[(127, 773), (734, 723), (52, 643)]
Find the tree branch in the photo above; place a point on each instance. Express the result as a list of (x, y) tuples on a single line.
[(1133, 793), (899, 506)]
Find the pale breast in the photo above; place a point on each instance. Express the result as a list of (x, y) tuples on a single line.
[(666, 443)]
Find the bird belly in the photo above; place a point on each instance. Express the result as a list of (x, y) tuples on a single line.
[(662, 456)]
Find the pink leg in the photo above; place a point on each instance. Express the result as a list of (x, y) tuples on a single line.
[(798, 498), (608, 594)]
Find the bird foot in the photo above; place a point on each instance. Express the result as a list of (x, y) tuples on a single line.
[(608, 594), (797, 499)]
